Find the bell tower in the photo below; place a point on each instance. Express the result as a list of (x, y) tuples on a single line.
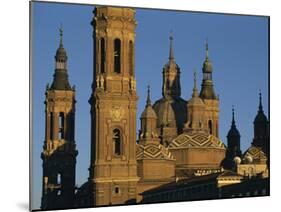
[(59, 150), (113, 168)]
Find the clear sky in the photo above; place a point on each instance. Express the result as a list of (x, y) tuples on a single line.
[(238, 49)]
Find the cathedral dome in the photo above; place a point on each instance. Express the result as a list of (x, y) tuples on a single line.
[(170, 111), (195, 151), (256, 154), (153, 151), (196, 140), (148, 113), (196, 101)]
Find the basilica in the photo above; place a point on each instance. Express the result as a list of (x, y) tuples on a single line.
[(178, 153)]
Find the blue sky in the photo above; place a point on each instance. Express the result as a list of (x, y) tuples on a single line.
[(238, 49)]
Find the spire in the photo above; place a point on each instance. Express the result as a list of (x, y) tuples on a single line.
[(260, 104), (61, 35), (148, 111), (195, 91), (61, 53), (171, 54), (207, 49), (233, 120), (148, 101), (60, 81), (260, 117), (233, 132)]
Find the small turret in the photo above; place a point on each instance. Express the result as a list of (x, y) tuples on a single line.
[(261, 128), (195, 110), (148, 122), (207, 89), (60, 81)]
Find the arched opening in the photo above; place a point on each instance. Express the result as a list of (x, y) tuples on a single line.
[(117, 55), (59, 179), (102, 56), (210, 125), (131, 58), (117, 141), (207, 76), (61, 125), (51, 125), (59, 182)]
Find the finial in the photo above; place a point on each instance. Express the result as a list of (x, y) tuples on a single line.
[(195, 79), (207, 49), (148, 101), (233, 120), (260, 103), (61, 34), (195, 91), (171, 54)]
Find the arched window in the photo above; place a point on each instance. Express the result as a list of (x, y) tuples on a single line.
[(51, 125), (59, 179), (59, 182), (117, 56), (117, 190), (117, 141), (131, 58), (102, 56), (61, 125), (210, 125)]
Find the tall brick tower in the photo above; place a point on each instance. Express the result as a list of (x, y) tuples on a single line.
[(113, 168)]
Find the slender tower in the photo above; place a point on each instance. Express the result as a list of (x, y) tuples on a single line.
[(59, 150), (113, 168), (171, 75), (233, 144), (171, 108), (209, 97), (261, 129)]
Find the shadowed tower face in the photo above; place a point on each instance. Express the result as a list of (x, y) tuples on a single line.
[(261, 128), (233, 145), (113, 171), (59, 150)]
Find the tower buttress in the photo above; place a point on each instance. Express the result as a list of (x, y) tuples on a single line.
[(113, 169), (59, 150)]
